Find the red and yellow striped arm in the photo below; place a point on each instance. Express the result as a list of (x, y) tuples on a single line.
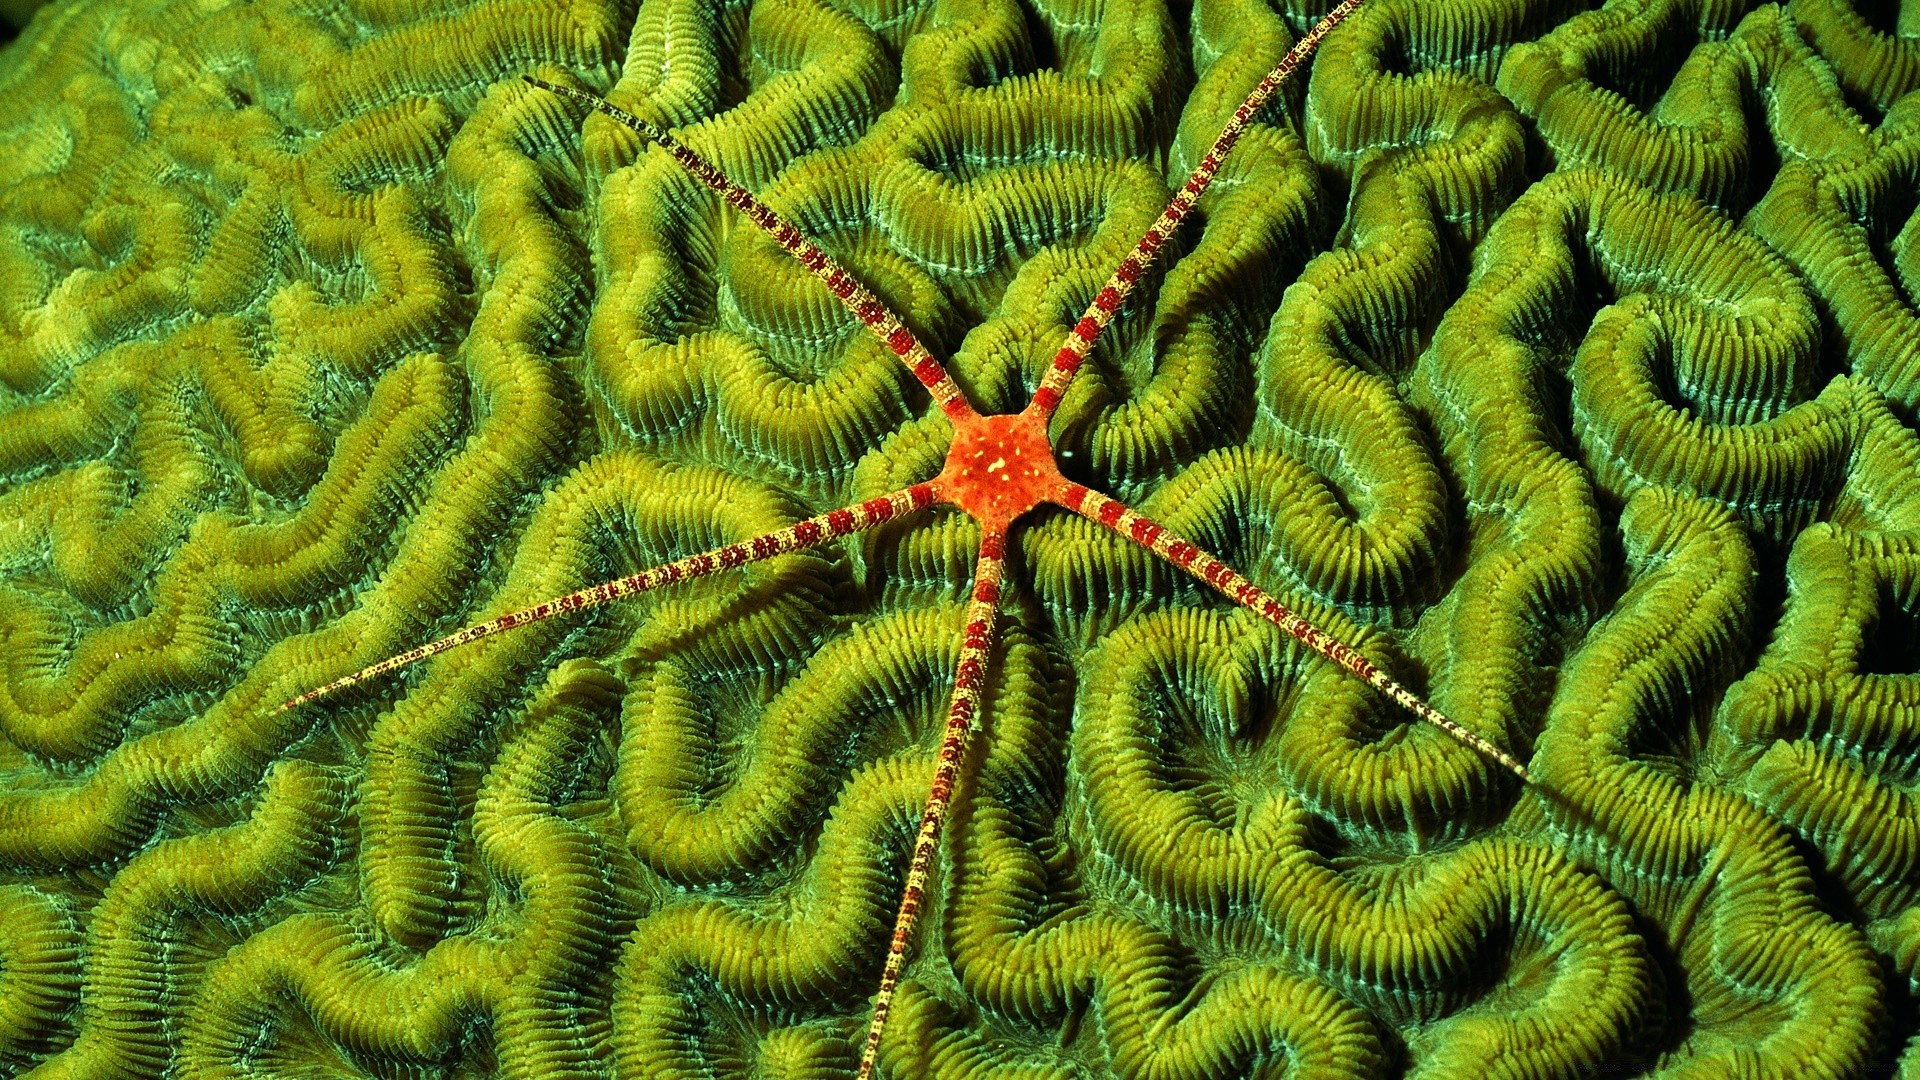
[(1100, 313), (969, 678), (872, 313), (1186, 555), (803, 534)]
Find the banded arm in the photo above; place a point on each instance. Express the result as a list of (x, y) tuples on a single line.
[(1100, 313), (969, 678), (804, 534), (1150, 534), (868, 308)]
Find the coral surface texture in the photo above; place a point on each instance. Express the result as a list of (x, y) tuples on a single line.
[(1562, 357)]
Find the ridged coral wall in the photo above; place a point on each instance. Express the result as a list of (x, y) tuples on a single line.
[(1566, 360)]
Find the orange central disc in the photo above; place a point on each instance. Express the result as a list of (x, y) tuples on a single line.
[(999, 468)]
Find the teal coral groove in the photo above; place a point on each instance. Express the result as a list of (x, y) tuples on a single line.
[(1562, 358)]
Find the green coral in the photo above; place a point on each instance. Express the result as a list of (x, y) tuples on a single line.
[(1564, 361)]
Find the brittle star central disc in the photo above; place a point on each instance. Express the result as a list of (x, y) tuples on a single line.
[(999, 467)]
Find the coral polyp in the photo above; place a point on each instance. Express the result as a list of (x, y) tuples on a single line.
[(484, 592)]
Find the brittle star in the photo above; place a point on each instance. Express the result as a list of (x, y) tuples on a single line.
[(998, 469)]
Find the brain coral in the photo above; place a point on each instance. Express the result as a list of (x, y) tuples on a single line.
[(1566, 362)]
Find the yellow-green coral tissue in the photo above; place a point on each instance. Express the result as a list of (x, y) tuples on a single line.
[(1560, 356)]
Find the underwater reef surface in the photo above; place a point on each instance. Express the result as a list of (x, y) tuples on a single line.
[(1566, 360)]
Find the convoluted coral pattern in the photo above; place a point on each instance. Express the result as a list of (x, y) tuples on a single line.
[(1564, 359)]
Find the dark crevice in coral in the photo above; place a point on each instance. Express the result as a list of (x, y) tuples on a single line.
[(1881, 16), (1828, 891), (1889, 229), (1899, 1022), (1643, 79), (1769, 604), (1869, 110), (1891, 643), (1672, 1023), (1043, 51), (1763, 153)]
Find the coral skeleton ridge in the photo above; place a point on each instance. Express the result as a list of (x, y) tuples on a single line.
[(507, 509)]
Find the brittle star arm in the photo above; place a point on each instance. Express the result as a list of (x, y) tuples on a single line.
[(803, 534), (868, 308), (1100, 313), (1150, 534), (969, 677)]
